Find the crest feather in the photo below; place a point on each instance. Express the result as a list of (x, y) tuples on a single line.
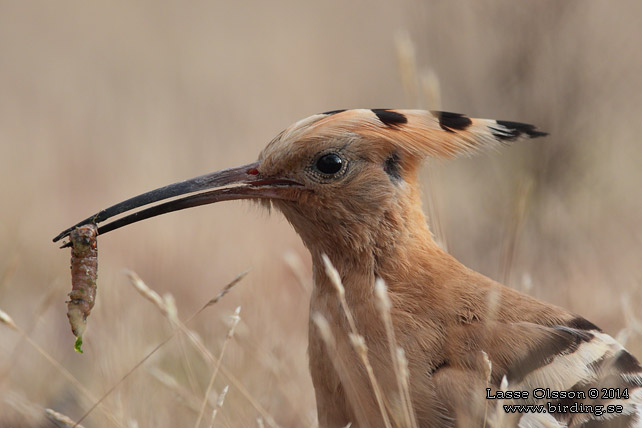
[(417, 132)]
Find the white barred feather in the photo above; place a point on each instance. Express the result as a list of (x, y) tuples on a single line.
[(594, 364)]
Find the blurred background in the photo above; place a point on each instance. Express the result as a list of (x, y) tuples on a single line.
[(100, 101)]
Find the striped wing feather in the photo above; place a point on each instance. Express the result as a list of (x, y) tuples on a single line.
[(573, 359)]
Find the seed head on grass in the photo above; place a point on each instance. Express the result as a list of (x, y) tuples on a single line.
[(7, 320), (225, 289), (324, 329), (147, 292), (219, 404), (61, 420)]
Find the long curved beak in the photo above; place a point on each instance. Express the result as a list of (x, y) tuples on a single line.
[(243, 182)]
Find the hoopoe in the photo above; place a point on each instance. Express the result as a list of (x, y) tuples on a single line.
[(347, 182)]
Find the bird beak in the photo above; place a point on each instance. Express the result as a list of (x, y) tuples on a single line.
[(243, 182)]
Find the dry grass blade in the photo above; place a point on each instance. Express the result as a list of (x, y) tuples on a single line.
[(514, 228), (167, 309), (198, 344), (60, 420), (405, 377), (8, 321), (325, 331), (384, 306), (356, 339), (335, 279), (41, 308), (429, 81), (235, 320), (183, 395), (207, 355), (125, 376), (359, 344)]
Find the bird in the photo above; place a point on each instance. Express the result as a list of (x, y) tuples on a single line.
[(467, 346)]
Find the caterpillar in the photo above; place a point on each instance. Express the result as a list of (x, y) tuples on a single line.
[(84, 272)]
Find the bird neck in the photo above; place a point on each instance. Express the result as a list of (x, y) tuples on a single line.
[(399, 249)]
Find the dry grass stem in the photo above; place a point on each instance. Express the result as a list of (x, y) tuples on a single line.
[(61, 420), (384, 306), (359, 344), (172, 315), (405, 378), (432, 184), (184, 395), (335, 279), (8, 321), (356, 339), (124, 377), (632, 325), (207, 355), (41, 308), (429, 81), (430, 89), (328, 338), (407, 61), (235, 320), (325, 331), (204, 352), (514, 227), (293, 261), (168, 309)]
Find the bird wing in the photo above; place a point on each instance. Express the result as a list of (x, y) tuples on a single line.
[(567, 359)]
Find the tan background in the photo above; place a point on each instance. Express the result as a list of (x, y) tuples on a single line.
[(102, 101)]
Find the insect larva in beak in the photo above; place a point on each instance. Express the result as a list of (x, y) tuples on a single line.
[(84, 268)]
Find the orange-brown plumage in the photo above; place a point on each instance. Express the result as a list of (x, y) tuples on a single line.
[(347, 182)]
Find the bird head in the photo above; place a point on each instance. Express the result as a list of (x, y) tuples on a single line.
[(345, 179)]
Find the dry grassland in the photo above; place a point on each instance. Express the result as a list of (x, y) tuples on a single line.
[(100, 101)]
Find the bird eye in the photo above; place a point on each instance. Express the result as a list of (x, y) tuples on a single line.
[(329, 164)]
